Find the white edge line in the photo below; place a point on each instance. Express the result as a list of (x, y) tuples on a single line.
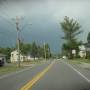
[(77, 72)]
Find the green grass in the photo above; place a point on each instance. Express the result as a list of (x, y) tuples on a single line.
[(32, 62), (14, 66), (79, 61), (9, 69)]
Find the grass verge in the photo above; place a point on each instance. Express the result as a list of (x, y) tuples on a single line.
[(79, 61), (13, 67)]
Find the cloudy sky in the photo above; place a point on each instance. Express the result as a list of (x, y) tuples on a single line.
[(45, 16)]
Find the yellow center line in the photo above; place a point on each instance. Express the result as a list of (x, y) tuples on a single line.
[(36, 78)]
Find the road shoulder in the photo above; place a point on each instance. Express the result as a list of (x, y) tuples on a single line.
[(82, 68)]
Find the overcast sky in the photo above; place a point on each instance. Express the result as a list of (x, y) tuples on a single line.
[(46, 14)]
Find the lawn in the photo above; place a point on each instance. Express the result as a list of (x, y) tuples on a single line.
[(9, 69), (14, 66), (79, 61)]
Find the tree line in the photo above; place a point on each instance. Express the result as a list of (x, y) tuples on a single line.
[(71, 29), (36, 50), (32, 49)]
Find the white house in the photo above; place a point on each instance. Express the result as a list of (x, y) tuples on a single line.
[(14, 56), (31, 58), (82, 51)]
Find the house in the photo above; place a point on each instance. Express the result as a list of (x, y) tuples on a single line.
[(2, 59), (87, 46), (31, 58), (14, 56), (82, 51)]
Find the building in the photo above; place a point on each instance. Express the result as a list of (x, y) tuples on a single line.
[(31, 58), (14, 56), (87, 46), (82, 51)]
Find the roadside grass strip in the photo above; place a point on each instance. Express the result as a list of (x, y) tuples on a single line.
[(29, 85)]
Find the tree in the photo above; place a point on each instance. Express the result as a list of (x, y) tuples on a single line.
[(25, 48), (40, 51), (34, 50), (71, 29), (88, 43), (7, 52), (47, 51), (88, 37)]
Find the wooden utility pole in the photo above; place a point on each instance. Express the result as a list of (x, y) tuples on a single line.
[(18, 39)]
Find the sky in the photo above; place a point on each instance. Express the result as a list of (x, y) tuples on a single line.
[(44, 17)]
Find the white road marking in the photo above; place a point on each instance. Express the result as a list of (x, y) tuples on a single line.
[(77, 71)]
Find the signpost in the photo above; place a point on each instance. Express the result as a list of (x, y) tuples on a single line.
[(74, 52)]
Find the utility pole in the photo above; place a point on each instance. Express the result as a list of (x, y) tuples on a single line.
[(18, 39), (18, 29), (45, 51)]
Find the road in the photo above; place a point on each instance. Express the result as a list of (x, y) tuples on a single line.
[(52, 76)]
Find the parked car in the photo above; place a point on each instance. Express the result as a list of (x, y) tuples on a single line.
[(64, 57), (1, 61)]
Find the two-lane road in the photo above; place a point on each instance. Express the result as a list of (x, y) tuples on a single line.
[(55, 76), (61, 77), (17, 80)]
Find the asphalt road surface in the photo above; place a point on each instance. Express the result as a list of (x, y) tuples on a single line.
[(52, 76)]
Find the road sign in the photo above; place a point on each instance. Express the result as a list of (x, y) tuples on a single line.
[(73, 51)]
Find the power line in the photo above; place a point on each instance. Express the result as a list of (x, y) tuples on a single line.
[(4, 13)]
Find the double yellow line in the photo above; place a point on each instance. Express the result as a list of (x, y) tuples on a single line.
[(36, 78)]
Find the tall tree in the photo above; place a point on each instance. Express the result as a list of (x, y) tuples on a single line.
[(47, 50), (34, 50), (25, 48), (40, 52), (88, 37), (71, 29), (7, 52)]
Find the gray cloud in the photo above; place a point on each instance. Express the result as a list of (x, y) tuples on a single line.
[(45, 14)]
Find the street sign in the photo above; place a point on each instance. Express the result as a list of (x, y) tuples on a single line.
[(73, 51)]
